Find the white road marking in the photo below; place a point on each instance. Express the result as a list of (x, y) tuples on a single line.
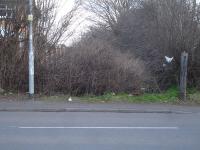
[(136, 128)]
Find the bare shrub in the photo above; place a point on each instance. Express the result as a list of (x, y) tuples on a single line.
[(14, 41), (95, 67), (13, 56), (152, 29)]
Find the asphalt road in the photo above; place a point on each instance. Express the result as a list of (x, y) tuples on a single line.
[(99, 131)]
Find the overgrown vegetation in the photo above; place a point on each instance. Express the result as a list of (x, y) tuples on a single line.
[(169, 96), (123, 52), (150, 30), (48, 32), (94, 67)]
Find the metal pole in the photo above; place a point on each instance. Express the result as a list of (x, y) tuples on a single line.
[(31, 50)]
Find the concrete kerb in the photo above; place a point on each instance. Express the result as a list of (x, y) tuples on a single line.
[(94, 110), (42, 106)]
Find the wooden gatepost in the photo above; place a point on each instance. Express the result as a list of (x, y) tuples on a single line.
[(183, 76)]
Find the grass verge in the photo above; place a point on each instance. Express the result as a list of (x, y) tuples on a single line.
[(171, 96), (168, 97)]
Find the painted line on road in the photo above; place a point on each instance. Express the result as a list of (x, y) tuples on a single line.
[(136, 128)]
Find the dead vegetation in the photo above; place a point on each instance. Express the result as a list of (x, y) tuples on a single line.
[(95, 67), (123, 52)]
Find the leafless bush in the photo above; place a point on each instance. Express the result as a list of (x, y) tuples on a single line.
[(95, 67), (48, 33), (152, 29), (129, 35), (13, 56), (14, 41)]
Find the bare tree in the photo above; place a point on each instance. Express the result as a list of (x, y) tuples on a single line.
[(108, 11), (12, 36), (151, 29), (48, 32)]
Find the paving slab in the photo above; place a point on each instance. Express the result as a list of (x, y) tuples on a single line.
[(65, 106)]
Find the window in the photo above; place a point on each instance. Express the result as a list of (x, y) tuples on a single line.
[(5, 12)]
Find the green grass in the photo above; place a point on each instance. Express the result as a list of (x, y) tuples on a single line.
[(170, 96), (194, 98)]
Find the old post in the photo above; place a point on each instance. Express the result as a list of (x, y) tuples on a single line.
[(183, 76)]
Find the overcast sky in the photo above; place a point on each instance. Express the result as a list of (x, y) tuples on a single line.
[(81, 24), (66, 5)]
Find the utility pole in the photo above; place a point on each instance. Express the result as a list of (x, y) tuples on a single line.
[(183, 76), (31, 50)]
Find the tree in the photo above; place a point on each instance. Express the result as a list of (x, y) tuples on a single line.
[(13, 32), (152, 29), (48, 32), (108, 11)]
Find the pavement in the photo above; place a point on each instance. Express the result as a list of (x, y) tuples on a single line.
[(65, 106)]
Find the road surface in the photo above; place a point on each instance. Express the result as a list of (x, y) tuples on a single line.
[(99, 131)]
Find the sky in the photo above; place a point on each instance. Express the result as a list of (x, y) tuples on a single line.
[(67, 5), (80, 26)]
